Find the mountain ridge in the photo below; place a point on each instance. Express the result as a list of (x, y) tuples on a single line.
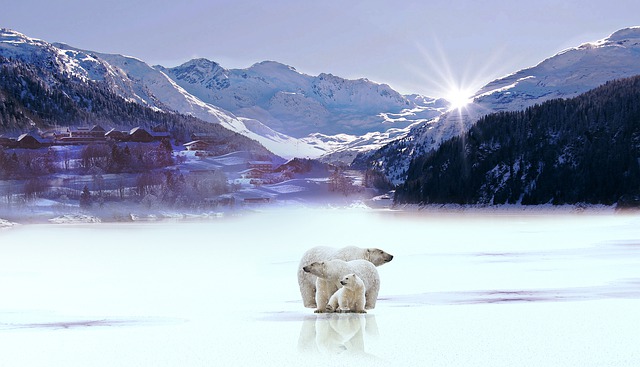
[(34, 99), (566, 74), (297, 103), (300, 112), (564, 151)]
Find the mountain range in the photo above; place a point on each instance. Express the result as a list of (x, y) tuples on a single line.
[(584, 149), (290, 113), (293, 114), (565, 75)]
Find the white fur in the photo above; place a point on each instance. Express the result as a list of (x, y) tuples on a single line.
[(330, 273), (307, 281), (349, 298)]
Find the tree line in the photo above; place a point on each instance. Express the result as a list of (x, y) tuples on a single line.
[(32, 97), (139, 173), (580, 150)]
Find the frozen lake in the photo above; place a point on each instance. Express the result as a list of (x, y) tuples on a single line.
[(497, 289)]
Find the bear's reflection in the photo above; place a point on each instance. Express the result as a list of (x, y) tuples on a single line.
[(336, 333)]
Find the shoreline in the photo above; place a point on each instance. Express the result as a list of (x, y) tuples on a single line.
[(44, 215)]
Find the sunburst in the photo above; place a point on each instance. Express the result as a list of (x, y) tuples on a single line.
[(456, 85), (458, 97)]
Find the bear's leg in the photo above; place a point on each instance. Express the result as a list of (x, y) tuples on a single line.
[(332, 305), (324, 290), (307, 285), (359, 305), (309, 294), (321, 301), (344, 302), (371, 296)]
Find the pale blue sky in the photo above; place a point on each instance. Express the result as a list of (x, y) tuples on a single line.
[(414, 46)]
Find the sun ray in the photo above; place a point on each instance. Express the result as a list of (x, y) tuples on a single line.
[(459, 97)]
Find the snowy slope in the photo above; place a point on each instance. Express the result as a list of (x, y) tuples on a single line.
[(297, 104), (290, 113), (511, 289), (567, 74), (564, 75), (138, 82), (165, 90)]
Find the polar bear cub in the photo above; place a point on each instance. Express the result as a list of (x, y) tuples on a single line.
[(330, 273), (307, 281), (349, 298)]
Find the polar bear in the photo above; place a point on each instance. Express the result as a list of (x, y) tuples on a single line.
[(329, 273), (307, 281), (349, 298)]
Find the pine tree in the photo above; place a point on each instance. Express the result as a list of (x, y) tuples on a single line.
[(85, 198)]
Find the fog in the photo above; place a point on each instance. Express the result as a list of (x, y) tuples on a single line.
[(464, 289)]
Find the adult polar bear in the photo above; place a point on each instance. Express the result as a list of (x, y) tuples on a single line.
[(330, 273), (307, 281)]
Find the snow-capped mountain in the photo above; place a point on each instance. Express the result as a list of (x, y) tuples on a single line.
[(567, 74), (83, 65), (563, 151), (333, 116), (297, 104), (136, 81), (159, 89), (290, 113)]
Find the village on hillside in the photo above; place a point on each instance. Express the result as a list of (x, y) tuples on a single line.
[(86, 135), (95, 169)]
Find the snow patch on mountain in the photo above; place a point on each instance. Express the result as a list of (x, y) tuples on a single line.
[(291, 113), (136, 81), (565, 75), (294, 103)]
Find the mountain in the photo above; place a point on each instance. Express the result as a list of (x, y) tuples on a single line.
[(84, 66), (136, 81), (297, 104), (329, 117), (563, 151), (35, 98), (290, 113), (567, 74), (43, 85)]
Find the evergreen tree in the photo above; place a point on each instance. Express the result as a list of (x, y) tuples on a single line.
[(85, 198), (581, 150)]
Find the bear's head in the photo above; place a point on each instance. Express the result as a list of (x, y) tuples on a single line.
[(377, 256), (317, 268), (349, 281)]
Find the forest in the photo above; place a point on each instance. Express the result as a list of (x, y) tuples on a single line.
[(564, 151), (34, 98)]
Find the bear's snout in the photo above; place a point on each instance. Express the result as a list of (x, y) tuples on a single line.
[(343, 282), (306, 269)]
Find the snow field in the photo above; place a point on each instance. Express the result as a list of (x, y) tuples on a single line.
[(462, 290)]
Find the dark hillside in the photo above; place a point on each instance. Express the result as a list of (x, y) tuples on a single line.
[(34, 98), (581, 150)]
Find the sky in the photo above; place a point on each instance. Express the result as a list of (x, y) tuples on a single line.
[(426, 47)]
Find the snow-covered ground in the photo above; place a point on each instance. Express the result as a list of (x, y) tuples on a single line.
[(501, 288)]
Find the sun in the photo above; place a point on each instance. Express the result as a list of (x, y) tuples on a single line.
[(459, 82), (458, 98)]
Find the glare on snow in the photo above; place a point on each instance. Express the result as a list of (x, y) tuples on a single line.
[(501, 289)]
